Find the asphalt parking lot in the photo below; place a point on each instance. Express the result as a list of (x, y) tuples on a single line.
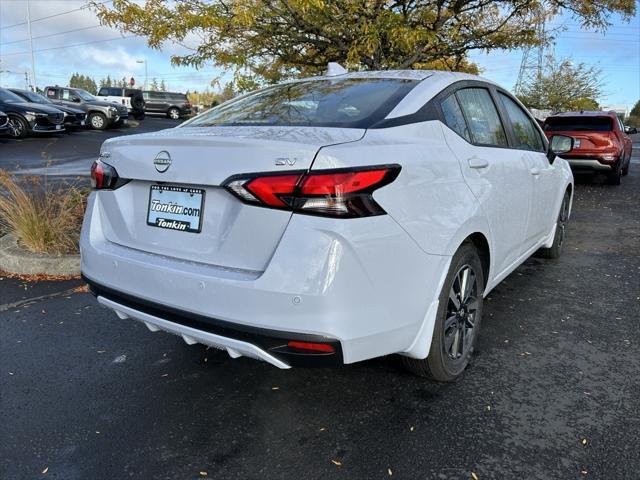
[(552, 393), (67, 157)]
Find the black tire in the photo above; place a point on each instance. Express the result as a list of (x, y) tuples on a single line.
[(448, 356), (615, 177), (137, 101), (138, 116), (625, 170), (18, 127), (173, 113), (555, 250), (98, 121)]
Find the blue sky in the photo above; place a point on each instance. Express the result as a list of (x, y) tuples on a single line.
[(103, 51)]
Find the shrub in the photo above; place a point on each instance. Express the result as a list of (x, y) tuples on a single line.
[(43, 219)]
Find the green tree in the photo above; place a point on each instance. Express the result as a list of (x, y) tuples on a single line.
[(564, 86), (163, 87), (106, 82), (635, 111), (268, 40), (154, 87), (83, 81), (634, 116)]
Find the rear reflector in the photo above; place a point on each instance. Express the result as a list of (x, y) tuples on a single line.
[(314, 347), (345, 193)]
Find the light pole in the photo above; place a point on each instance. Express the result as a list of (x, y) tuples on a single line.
[(146, 72), (33, 63)]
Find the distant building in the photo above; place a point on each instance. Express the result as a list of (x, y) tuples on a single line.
[(621, 110)]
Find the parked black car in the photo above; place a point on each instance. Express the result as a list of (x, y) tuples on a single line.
[(73, 116), (101, 114), (27, 117), (129, 97), (173, 105), (4, 123)]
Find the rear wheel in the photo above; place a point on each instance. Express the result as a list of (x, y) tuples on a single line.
[(615, 177), (458, 319), (18, 127), (625, 170), (173, 113), (555, 249), (98, 121)]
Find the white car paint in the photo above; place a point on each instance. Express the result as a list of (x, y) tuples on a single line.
[(371, 283)]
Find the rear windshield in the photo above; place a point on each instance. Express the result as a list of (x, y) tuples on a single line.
[(345, 103), (592, 124)]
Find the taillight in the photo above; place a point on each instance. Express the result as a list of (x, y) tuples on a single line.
[(105, 177), (344, 193)]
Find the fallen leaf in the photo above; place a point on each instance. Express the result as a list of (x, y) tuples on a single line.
[(411, 429), (336, 462), (10, 373), (389, 471), (584, 441), (204, 474), (46, 469), (322, 429), (474, 476), (165, 374), (275, 388), (82, 289)]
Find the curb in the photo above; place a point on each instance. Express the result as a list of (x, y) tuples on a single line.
[(15, 259)]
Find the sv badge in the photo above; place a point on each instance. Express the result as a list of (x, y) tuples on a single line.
[(286, 161)]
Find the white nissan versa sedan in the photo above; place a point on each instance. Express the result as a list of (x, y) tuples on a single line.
[(328, 220)]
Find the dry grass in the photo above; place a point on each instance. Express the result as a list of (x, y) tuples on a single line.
[(43, 220)]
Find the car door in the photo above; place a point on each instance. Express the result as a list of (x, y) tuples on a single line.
[(496, 174), (527, 139), (156, 102)]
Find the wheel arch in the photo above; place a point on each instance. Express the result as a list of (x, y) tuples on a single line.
[(480, 241)]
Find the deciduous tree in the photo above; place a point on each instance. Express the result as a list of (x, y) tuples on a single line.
[(564, 86), (268, 40)]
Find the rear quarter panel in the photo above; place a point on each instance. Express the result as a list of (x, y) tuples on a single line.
[(430, 199)]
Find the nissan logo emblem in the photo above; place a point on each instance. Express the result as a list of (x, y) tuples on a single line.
[(162, 161)]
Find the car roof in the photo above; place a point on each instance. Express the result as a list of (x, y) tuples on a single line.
[(583, 113), (418, 75)]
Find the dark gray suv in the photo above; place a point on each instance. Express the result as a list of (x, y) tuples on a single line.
[(173, 105), (100, 114)]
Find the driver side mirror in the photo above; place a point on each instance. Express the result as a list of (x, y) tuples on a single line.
[(76, 99)]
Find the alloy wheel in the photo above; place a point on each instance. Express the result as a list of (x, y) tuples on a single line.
[(462, 307), (562, 220), (15, 128), (97, 121)]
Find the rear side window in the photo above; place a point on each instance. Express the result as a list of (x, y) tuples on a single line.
[(574, 124), (157, 95), (482, 117), (454, 118), (524, 131), (52, 93)]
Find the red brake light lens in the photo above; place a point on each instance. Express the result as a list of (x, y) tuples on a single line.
[(342, 193), (105, 177)]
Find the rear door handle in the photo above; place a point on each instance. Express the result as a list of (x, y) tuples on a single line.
[(535, 171), (475, 162)]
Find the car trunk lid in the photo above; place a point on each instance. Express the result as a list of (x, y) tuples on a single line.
[(232, 234)]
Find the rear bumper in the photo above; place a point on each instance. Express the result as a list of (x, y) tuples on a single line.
[(589, 164), (362, 285), (238, 340)]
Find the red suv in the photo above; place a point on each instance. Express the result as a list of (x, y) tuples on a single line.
[(600, 143)]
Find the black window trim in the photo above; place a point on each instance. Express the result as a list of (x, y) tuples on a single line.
[(512, 137), (432, 110)]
